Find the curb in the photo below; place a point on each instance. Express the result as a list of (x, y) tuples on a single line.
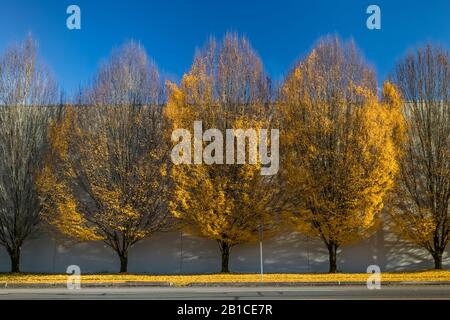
[(311, 284), (4, 285), (212, 284)]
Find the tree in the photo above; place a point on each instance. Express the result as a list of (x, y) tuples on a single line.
[(338, 146), (421, 200), (27, 92), (106, 177), (226, 88)]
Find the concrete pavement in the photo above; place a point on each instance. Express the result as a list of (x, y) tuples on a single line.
[(234, 293)]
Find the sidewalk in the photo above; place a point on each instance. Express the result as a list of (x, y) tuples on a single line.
[(133, 284)]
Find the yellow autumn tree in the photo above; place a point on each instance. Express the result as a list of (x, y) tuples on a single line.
[(106, 175), (420, 209), (226, 88), (339, 156)]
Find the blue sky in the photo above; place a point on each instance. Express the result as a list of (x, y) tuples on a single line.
[(281, 31)]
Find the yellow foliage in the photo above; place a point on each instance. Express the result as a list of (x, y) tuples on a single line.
[(422, 276), (102, 180), (340, 154), (223, 202)]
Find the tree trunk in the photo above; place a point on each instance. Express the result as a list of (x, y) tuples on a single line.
[(332, 249), (14, 255), (123, 262), (225, 250), (437, 256)]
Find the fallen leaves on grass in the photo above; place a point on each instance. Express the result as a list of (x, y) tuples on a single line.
[(422, 276)]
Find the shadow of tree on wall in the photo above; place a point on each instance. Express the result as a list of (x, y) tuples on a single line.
[(158, 254), (169, 253), (199, 255), (404, 256), (389, 252)]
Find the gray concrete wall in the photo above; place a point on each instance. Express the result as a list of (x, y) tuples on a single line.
[(173, 253)]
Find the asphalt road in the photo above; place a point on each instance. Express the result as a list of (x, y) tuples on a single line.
[(234, 293)]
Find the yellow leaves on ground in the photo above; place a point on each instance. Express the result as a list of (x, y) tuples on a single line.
[(422, 276)]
